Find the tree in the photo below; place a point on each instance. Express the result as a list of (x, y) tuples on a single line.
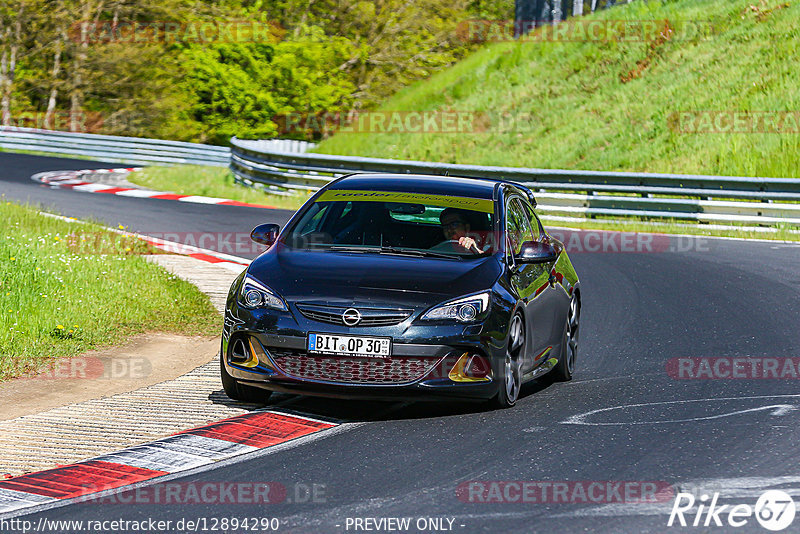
[(331, 55), (12, 18)]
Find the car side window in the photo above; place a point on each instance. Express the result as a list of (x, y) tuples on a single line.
[(518, 229), (536, 224)]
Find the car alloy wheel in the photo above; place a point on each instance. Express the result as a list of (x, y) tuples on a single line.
[(563, 370), (512, 373), (573, 323)]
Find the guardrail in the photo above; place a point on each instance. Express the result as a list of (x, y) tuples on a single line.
[(582, 193), (283, 165), (113, 148)]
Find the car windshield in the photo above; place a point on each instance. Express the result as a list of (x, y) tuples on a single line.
[(396, 223)]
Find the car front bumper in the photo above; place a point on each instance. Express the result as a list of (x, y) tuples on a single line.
[(420, 367)]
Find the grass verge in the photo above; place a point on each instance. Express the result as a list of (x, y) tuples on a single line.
[(776, 233), (611, 104), (210, 182), (59, 298)]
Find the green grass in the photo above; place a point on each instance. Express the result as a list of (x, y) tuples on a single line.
[(575, 112), (59, 297), (780, 233), (210, 182)]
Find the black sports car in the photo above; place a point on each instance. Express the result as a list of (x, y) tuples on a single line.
[(413, 287)]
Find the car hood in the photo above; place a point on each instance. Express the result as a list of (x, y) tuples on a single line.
[(344, 278)]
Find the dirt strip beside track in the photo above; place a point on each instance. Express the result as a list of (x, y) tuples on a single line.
[(78, 428)]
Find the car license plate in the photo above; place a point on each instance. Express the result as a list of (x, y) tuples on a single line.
[(365, 347)]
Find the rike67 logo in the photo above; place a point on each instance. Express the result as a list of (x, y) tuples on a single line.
[(774, 510)]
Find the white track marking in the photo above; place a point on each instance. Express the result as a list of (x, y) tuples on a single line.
[(84, 180), (232, 263), (67, 181), (778, 410), (216, 449), (11, 500), (157, 457), (260, 453), (93, 188), (141, 193), (203, 200)]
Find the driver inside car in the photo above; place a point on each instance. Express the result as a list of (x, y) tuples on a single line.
[(456, 227)]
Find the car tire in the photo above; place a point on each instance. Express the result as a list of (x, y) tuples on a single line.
[(563, 370), (241, 392), (511, 379)]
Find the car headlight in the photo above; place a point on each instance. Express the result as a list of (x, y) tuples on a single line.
[(464, 310), (254, 294)]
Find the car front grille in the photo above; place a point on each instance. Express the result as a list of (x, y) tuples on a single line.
[(394, 370), (369, 316)]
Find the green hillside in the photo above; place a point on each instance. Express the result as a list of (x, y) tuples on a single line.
[(609, 105)]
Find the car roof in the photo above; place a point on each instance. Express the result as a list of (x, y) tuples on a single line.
[(418, 183)]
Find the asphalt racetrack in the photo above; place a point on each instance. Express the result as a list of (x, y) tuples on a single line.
[(630, 417)]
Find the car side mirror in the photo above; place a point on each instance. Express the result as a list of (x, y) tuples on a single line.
[(266, 234), (536, 252)]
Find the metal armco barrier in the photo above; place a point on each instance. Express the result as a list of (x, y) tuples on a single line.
[(580, 193), (113, 148), (283, 165)]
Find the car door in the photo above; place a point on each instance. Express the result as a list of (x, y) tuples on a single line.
[(552, 300), (530, 281)]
